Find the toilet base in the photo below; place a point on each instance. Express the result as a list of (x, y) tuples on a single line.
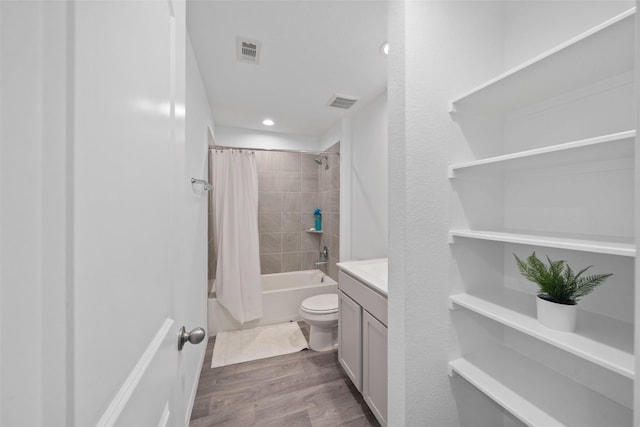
[(322, 338)]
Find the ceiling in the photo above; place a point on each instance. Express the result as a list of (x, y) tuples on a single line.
[(310, 51)]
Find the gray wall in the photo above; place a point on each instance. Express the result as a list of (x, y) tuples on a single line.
[(291, 186)]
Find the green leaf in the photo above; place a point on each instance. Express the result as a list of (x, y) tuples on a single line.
[(558, 280)]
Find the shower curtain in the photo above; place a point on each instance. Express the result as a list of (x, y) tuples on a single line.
[(238, 282)]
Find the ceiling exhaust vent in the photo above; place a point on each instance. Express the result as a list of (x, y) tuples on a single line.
[(248, 50), (342, 101)]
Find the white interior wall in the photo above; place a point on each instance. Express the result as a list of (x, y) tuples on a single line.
[(533, 27), (636, 282), (21, 216), (396, 365), (331, 135), (363, 180), (237, 137), (369, 181), (35, 232), (438, 50)]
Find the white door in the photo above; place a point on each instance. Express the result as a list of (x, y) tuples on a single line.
[(130, 195), (95, 190)]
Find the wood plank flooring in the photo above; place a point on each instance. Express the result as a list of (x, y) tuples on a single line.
[(304, 389)]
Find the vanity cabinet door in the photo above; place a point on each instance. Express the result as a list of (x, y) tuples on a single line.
[(374, 366), (350, 338)]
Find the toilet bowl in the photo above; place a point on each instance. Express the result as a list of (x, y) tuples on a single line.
[(321, 312)]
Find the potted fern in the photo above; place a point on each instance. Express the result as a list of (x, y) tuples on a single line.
[(560, 290)]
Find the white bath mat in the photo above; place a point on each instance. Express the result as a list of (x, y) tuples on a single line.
[(257, 343)]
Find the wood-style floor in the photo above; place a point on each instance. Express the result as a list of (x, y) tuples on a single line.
[(295, 390)]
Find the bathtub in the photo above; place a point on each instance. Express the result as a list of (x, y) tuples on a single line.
[(282, 294)]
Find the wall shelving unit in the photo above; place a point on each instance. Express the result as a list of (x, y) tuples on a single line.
[(588, 243), (524, 410), (587, 70), (608, 147), (505, 376), (610, 345), (595, 55)]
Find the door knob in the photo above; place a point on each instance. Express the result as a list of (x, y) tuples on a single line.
[(194, 337)]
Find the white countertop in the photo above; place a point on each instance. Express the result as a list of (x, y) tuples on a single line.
[(372, 272)]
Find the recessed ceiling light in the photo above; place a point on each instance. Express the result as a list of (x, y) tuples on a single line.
[(268, 122), (385, 48)]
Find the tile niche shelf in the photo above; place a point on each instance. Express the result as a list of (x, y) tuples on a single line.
[(601, 340), (313, 231)]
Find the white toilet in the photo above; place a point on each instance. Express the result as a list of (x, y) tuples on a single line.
[(321, 312)]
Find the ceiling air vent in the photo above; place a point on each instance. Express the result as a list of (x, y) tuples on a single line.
[(342, 101), (248, 50)]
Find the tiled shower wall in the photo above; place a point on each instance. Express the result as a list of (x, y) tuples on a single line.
[(291, 186)]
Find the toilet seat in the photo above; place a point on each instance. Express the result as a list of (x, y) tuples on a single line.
[(320, 304)]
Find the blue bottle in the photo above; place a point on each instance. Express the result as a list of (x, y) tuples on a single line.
[(318, 216)]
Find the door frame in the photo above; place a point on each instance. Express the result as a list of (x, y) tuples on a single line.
[(37, 257), (36, 219)]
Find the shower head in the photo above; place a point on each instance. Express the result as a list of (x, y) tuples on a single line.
[(321, 158)]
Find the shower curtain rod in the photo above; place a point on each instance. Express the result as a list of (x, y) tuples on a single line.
[(278, 150)]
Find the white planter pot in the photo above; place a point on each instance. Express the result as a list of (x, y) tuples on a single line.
[(561, 317)]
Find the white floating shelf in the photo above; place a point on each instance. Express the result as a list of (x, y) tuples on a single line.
[(606, 50), (534, 394), (313, 231), (611, 246), (521, 408), (601, 340), (607, 147)]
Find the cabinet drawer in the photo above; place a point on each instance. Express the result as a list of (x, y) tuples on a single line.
[(369, 299)]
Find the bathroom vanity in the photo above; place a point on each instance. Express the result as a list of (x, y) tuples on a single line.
[(362, 330)]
